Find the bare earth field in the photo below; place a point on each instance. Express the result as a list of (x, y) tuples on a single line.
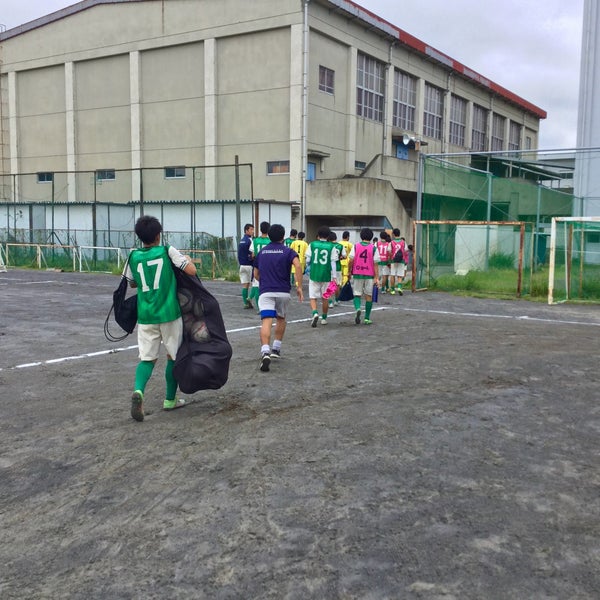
[(448, 451)]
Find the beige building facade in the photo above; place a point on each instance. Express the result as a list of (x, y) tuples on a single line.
[(330, 104)]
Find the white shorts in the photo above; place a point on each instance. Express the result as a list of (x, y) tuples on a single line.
[(362, 287), (273, 305), (150, 337), (338, 278), (384, 270), (246, 273), (398, 269), (316, 289)]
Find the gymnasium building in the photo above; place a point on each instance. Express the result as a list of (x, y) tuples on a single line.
[(330, 105)]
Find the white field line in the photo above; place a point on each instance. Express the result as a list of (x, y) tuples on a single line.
[(304, 320)]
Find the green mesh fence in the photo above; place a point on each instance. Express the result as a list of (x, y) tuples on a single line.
[(458, 192)]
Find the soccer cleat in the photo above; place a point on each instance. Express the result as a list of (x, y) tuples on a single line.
[(275, 353), (173, 404), (314, 321), (248, 304), (265, 361), (323, 321), (357, 317), (368, 321), (392, 292), (400, 292), (137, 405)]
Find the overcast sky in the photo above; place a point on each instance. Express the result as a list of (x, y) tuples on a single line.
[(531, 47)]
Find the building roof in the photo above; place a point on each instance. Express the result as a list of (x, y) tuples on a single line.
[(351, 8), (405, 38)]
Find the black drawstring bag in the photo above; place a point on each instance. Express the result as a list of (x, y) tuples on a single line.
[(202, 365), (125, 310), (346, 292)]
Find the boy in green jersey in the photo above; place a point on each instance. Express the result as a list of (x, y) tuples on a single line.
[(321, 256), (259, 243), (150, 270)]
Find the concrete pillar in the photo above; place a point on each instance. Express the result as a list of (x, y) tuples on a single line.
[(70, 128), (587, 164)]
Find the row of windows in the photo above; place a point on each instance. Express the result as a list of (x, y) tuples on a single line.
[(110, 175), (275, 167), (370, 100)]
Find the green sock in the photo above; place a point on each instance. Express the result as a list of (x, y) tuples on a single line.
[(245, 295), (368, 307), (171, 382), (356, 302), (142, 373), (255, 293)]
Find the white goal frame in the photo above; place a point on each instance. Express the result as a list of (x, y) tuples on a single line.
[(568, 251), (2, 261)]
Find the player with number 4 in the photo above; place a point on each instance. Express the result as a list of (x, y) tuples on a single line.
[(363, 268)]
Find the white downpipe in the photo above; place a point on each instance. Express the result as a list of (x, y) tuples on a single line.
[(304, 114)]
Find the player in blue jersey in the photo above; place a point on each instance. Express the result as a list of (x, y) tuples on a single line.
[(272, 270)]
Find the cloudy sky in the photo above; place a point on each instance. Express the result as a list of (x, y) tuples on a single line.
[(530, 47)]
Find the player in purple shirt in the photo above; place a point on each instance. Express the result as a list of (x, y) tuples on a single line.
[(272, 270)]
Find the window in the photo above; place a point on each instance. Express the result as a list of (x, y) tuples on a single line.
[(479, 131), (45, 177), (360, 165), (432, 115), (405, 101), (458, 120), (278, 167), (174, 172), (514, 136), (528, 142), (498, 132), (326, 79), (370, 86), (105, 175)]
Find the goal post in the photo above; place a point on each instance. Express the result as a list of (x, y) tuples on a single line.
[(574, 263), (491, 257), (2, 260)]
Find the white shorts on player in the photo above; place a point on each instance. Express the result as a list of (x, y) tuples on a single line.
[(273, 305), (363, 287), (150, 336), (316, 288), (246, 273), (398, 269)]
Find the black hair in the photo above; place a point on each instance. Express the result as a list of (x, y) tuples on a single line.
[(396, 232), (293, 232), (323, 232), (301, 235), (366, 234), (332, 236), (247, 226), (147, 228), (264, 227), (346, 235), (276, 233)]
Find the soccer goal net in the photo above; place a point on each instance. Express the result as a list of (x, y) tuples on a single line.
[(489, 257), (574, 267)]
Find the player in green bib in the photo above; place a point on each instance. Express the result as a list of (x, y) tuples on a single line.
[(150, 270)]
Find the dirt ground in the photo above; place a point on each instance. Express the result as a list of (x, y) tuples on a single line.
[(448, 451)]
